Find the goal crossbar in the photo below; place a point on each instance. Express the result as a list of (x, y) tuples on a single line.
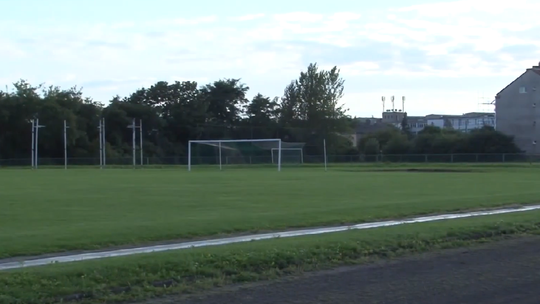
[(220, 141), (204, 141)]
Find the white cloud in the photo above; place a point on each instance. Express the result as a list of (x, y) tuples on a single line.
[(248, 17), (430, 42)]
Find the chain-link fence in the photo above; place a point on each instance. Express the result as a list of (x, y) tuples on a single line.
[(289, 158)]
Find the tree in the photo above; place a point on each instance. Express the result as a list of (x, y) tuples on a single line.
[(398, 144), (173, 113), (312, 103), (225, 100), (262, 110), (488, 140), (405, 128), (261, 117), (382, 137), (372, 146)]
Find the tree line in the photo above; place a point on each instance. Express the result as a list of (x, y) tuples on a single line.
[(435, 140), (174, 113)]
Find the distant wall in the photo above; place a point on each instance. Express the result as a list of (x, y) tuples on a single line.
[(517, 112)]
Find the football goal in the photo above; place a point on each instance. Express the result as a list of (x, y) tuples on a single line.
[(240, 152), (288, 155)]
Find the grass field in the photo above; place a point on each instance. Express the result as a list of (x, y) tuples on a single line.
[(179, 272), (55, 210)]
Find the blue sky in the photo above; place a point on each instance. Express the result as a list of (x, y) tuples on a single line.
[(444, 57)]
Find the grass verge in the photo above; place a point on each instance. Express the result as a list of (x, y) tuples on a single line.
[(145, 276)]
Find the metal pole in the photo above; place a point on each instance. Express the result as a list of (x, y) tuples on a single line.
[(140, 141), (324, 151), (37, 141), (100, 145), (104, 142), (33, 143), (133, 143), (220, 165), (279, 156), (189, 156), (65, 144)]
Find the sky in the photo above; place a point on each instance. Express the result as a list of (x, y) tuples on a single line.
[(444, 57)]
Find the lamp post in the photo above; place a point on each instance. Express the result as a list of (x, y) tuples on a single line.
[(133, 128)]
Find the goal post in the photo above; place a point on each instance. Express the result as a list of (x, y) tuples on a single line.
[(221, 144), (300, 157)]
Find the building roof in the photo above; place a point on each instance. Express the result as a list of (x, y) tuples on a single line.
[(435, 116), (465, 115), (535, 69), (478, 114), (415, 119)]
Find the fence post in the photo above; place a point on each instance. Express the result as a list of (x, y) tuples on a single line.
[(504, 158), (476, 157), (452, 157), (425, 158)]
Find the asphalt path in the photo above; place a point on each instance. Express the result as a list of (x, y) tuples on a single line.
[(497, 273)]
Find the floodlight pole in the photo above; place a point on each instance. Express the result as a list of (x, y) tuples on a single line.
[(37, 141), (133, 134), (140, 141), (33, 121), (324, 152), (104, 142), (100, 128), (65, 143)]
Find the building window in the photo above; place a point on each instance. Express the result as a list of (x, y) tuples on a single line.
[(522, 90)]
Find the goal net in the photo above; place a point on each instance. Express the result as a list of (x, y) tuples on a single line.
[(288, 155), (244, 152)]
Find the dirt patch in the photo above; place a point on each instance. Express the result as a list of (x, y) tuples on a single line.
[(425, 170)]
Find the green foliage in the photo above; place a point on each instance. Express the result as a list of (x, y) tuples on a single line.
[(398, 144), (372, 146), (405, 127), (174, 113), (382, 137), (434, 140)]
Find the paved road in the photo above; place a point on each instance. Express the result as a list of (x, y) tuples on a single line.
[(500, 273)]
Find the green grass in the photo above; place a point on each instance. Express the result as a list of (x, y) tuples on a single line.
[(195, 269), (55, 210)]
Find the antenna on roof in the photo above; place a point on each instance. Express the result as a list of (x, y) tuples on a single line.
[(403, 103), (393, 107), (382, 98)]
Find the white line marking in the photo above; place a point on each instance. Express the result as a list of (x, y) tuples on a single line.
[(249, 238)]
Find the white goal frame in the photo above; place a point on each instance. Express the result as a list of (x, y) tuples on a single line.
[(289, 149), (220, 141)]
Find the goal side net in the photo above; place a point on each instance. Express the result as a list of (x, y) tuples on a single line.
[(288, 155)]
